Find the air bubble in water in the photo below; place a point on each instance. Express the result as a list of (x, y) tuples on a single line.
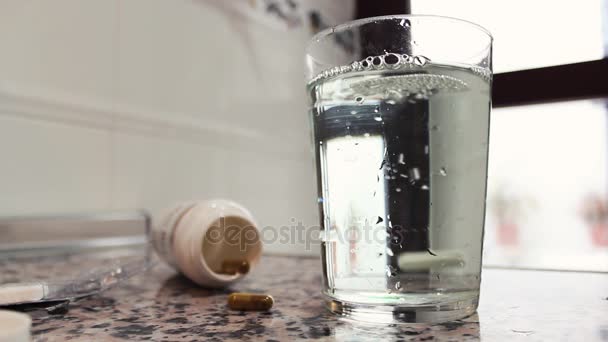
[(424, 187), (359, 99), (391, 271), (398, 189), (420, 60), (366, 135), (378, 118), (376, 109), (353, 112), (391, 59), (391, 102), (443, 171), (398, 285), (415, 173), (378, 61), (389, 252)]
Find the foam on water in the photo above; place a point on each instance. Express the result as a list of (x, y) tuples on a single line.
[(389, 61), (399, 86)]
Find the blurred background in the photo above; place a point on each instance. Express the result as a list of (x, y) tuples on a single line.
[(118, 105)]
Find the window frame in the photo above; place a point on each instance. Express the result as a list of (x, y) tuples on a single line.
[(585, 80)]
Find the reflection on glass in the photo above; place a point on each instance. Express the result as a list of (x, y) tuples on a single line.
[(348, 330), (355, 210)]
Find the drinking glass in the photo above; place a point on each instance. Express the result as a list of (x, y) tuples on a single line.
[(400, 109)]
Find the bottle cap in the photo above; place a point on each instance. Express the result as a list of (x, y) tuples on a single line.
[(14, 326)]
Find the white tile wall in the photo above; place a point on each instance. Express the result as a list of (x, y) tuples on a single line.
[(62, 45), (52, 167), (142, 103)]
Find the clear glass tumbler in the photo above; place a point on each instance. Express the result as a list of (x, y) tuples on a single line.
[(400, 108)]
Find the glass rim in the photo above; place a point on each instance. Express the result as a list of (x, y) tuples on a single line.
[(359, 22)]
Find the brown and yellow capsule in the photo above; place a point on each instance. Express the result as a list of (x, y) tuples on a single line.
[(233, 267), (250, 301)]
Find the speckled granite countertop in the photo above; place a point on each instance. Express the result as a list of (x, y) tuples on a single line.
[(163, 306)]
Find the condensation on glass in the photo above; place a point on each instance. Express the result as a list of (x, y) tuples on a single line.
[(400, 112)]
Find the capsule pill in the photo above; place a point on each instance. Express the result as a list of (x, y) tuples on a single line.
[(250, 301), (233, 267)]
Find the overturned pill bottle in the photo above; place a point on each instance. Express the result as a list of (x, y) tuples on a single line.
[(214, 243)]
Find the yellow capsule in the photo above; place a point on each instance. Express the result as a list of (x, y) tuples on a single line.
[(250, 301), (233, 267)]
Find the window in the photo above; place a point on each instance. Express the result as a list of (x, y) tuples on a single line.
[(547, 182), (531, 34), (547, 204)]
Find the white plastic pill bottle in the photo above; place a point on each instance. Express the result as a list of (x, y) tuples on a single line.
[(198, 238)]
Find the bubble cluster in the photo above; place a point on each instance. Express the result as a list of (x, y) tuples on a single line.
[(484, 73), (414, 87), (381, 62), (391, 271), (389, 61)]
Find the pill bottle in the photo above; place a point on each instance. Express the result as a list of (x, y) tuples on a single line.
[(205, 240)]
